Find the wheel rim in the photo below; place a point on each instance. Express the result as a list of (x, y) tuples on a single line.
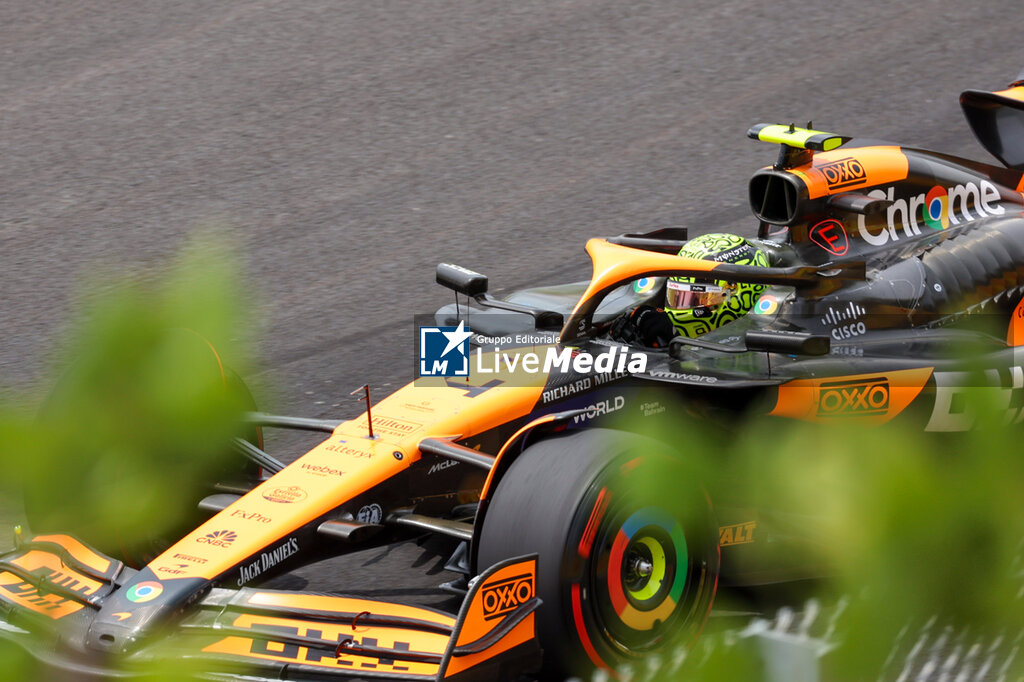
[(639, 576)]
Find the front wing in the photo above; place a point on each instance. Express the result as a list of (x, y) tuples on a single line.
[(52, 588)]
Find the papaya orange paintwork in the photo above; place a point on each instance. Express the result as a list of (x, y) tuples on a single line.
[(1015, 332), (46, 566), (344, 465), (331, 634), (880, 165), (803, 398), (504, 590)]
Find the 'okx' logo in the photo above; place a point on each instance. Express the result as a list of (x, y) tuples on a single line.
[(444, 351)]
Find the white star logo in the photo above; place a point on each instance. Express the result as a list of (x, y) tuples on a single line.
[(455, 338)]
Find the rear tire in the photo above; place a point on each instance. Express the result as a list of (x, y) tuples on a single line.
[(628, 554)]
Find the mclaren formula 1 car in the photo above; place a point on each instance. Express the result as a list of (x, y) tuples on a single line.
[(577, 536)]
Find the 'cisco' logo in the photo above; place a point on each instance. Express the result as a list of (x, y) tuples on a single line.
[(220, 538), (854, 398), (507, 595)]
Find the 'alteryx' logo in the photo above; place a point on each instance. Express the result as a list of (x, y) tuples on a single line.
[(444, 351)]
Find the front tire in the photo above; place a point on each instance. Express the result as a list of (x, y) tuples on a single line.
[(628, 555)]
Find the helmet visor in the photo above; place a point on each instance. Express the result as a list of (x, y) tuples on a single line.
[(684, 295)]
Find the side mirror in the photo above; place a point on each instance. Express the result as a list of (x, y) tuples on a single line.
[(789, 343), (461, 280)]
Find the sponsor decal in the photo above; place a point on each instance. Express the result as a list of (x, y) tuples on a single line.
[(444, 351), (395, 427), (219, 538), (285, 494), (329, 655), (144, 592), (652, 408), (371, 513), (189, 557), (122, 615), (938, 208), (736, 534), (250, 516), (645, 285), (27, 595), (320, 470), (955, 411), (845, 323), (844, 173), (342, 447), (831, 236), (766, 305), (505, 596), (683, 376), (598, 409), (441, 466), (267, 560), (854, 398), (424, 406), (173, 569), (578, 386)]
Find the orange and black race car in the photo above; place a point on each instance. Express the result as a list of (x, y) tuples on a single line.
[(524, 441)]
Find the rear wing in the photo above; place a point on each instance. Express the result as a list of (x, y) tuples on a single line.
[(997, 120)]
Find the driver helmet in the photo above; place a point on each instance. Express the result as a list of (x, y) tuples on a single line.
[(697, 305)]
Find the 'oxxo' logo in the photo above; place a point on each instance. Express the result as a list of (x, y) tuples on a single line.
[(854, 398), (843, 173), (507, 595)]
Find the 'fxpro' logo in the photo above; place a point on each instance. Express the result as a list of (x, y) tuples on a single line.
[(444, 351), (507, 595), (854, 398)]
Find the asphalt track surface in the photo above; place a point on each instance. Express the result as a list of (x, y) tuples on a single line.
[(348, 147)]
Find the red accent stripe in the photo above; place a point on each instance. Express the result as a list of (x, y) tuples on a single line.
[(615, 592), (596, 514), (581, 630)]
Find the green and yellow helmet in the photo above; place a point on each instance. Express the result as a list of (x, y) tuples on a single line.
[(696, 306)]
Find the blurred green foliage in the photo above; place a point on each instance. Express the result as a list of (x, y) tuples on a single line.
[(144, 407), (140, 419), (907, 526)]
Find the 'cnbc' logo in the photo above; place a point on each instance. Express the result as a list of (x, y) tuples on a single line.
[(220, 538)]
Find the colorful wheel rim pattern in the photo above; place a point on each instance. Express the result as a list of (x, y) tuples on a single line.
[(639, 576), (144, 591), (643, 581)]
